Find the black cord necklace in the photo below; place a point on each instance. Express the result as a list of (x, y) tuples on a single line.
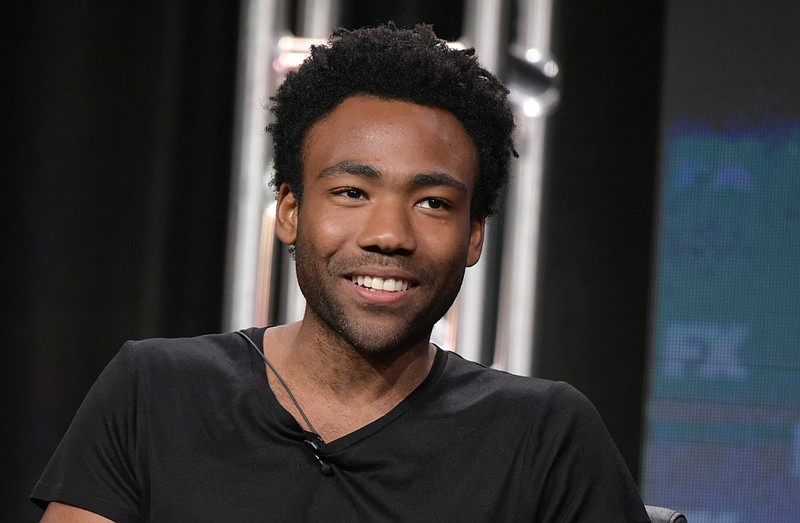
[(314, 440)]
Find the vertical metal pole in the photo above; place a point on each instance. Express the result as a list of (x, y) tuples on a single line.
[(516, 309), (252, 243), (482, 29), (316, 20), (261, 24)]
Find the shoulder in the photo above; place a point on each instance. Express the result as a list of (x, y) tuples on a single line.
[(208, 344), (158, 365), (187, 354), (155, 363), (527, 403), (574, 469), (487, 382)]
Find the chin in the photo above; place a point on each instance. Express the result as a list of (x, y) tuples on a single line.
[(383, 344)]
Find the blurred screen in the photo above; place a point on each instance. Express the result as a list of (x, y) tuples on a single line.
[(723, 413)]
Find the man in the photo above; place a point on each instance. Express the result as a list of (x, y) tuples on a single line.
[(390, 150)]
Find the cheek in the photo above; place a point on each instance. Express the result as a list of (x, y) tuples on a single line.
[(447, 248), (324, 231)]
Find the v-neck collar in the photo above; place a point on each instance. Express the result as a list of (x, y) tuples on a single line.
[(287, 421)]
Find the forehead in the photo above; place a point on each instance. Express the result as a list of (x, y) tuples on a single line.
[(395, 136)]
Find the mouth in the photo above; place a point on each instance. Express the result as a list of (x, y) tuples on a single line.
[(377, 283)]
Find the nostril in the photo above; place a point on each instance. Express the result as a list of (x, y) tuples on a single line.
[(387, 251)]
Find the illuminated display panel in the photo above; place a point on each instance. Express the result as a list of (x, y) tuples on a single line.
[(723, 413)]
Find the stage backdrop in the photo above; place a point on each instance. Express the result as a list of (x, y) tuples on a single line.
[(723, 436)]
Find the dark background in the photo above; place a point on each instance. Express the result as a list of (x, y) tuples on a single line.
[(116, 154), (117, 119)]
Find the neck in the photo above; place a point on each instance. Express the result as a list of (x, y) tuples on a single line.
[(335, 366), (328, 376)]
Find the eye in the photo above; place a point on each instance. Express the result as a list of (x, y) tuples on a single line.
[(349, 193), (433, 203)]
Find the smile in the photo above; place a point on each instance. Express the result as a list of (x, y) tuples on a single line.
[(381, 284)]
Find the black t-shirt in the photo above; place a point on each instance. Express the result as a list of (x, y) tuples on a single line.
[(189, 430)]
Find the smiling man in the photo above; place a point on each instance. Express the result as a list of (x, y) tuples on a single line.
[(390, 151)]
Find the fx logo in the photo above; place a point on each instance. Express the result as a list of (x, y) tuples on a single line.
[(709, 350)]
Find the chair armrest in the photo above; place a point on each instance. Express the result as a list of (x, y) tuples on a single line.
[(664, 515)]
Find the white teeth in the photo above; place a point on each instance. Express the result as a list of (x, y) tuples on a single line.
[(379, 284)]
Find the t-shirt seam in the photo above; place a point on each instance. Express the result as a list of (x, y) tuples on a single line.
[(529, 433), (136, 454), (136, 384), (536, 415), (53, 491)]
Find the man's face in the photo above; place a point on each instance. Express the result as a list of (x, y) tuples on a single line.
[(384, 233)]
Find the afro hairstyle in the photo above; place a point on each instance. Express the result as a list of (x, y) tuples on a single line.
[(392, 63)]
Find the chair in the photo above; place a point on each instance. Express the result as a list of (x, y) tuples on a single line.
[(664, 515)]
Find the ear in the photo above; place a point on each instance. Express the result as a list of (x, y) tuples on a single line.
[(286, 215), (475, 241)]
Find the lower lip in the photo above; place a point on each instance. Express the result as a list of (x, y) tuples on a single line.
[(380, 297)]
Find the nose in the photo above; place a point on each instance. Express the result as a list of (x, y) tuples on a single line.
[(388, 229)]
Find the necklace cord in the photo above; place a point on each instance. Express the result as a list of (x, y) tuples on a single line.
[(283, 383)]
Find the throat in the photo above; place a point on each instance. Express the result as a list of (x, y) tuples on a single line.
[(333, 397)]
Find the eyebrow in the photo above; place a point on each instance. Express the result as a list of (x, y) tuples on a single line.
[(438, 179), (349, 167), (425, 179)]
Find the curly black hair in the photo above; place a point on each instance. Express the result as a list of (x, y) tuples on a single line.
[(411, 65)]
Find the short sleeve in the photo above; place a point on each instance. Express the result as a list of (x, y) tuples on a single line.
[(93, 467), (586, 477)]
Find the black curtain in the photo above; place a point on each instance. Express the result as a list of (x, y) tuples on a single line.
[(601, 165), (117, 119)]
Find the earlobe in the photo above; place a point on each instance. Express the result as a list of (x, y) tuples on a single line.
[(286, 215), (475, 241)]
